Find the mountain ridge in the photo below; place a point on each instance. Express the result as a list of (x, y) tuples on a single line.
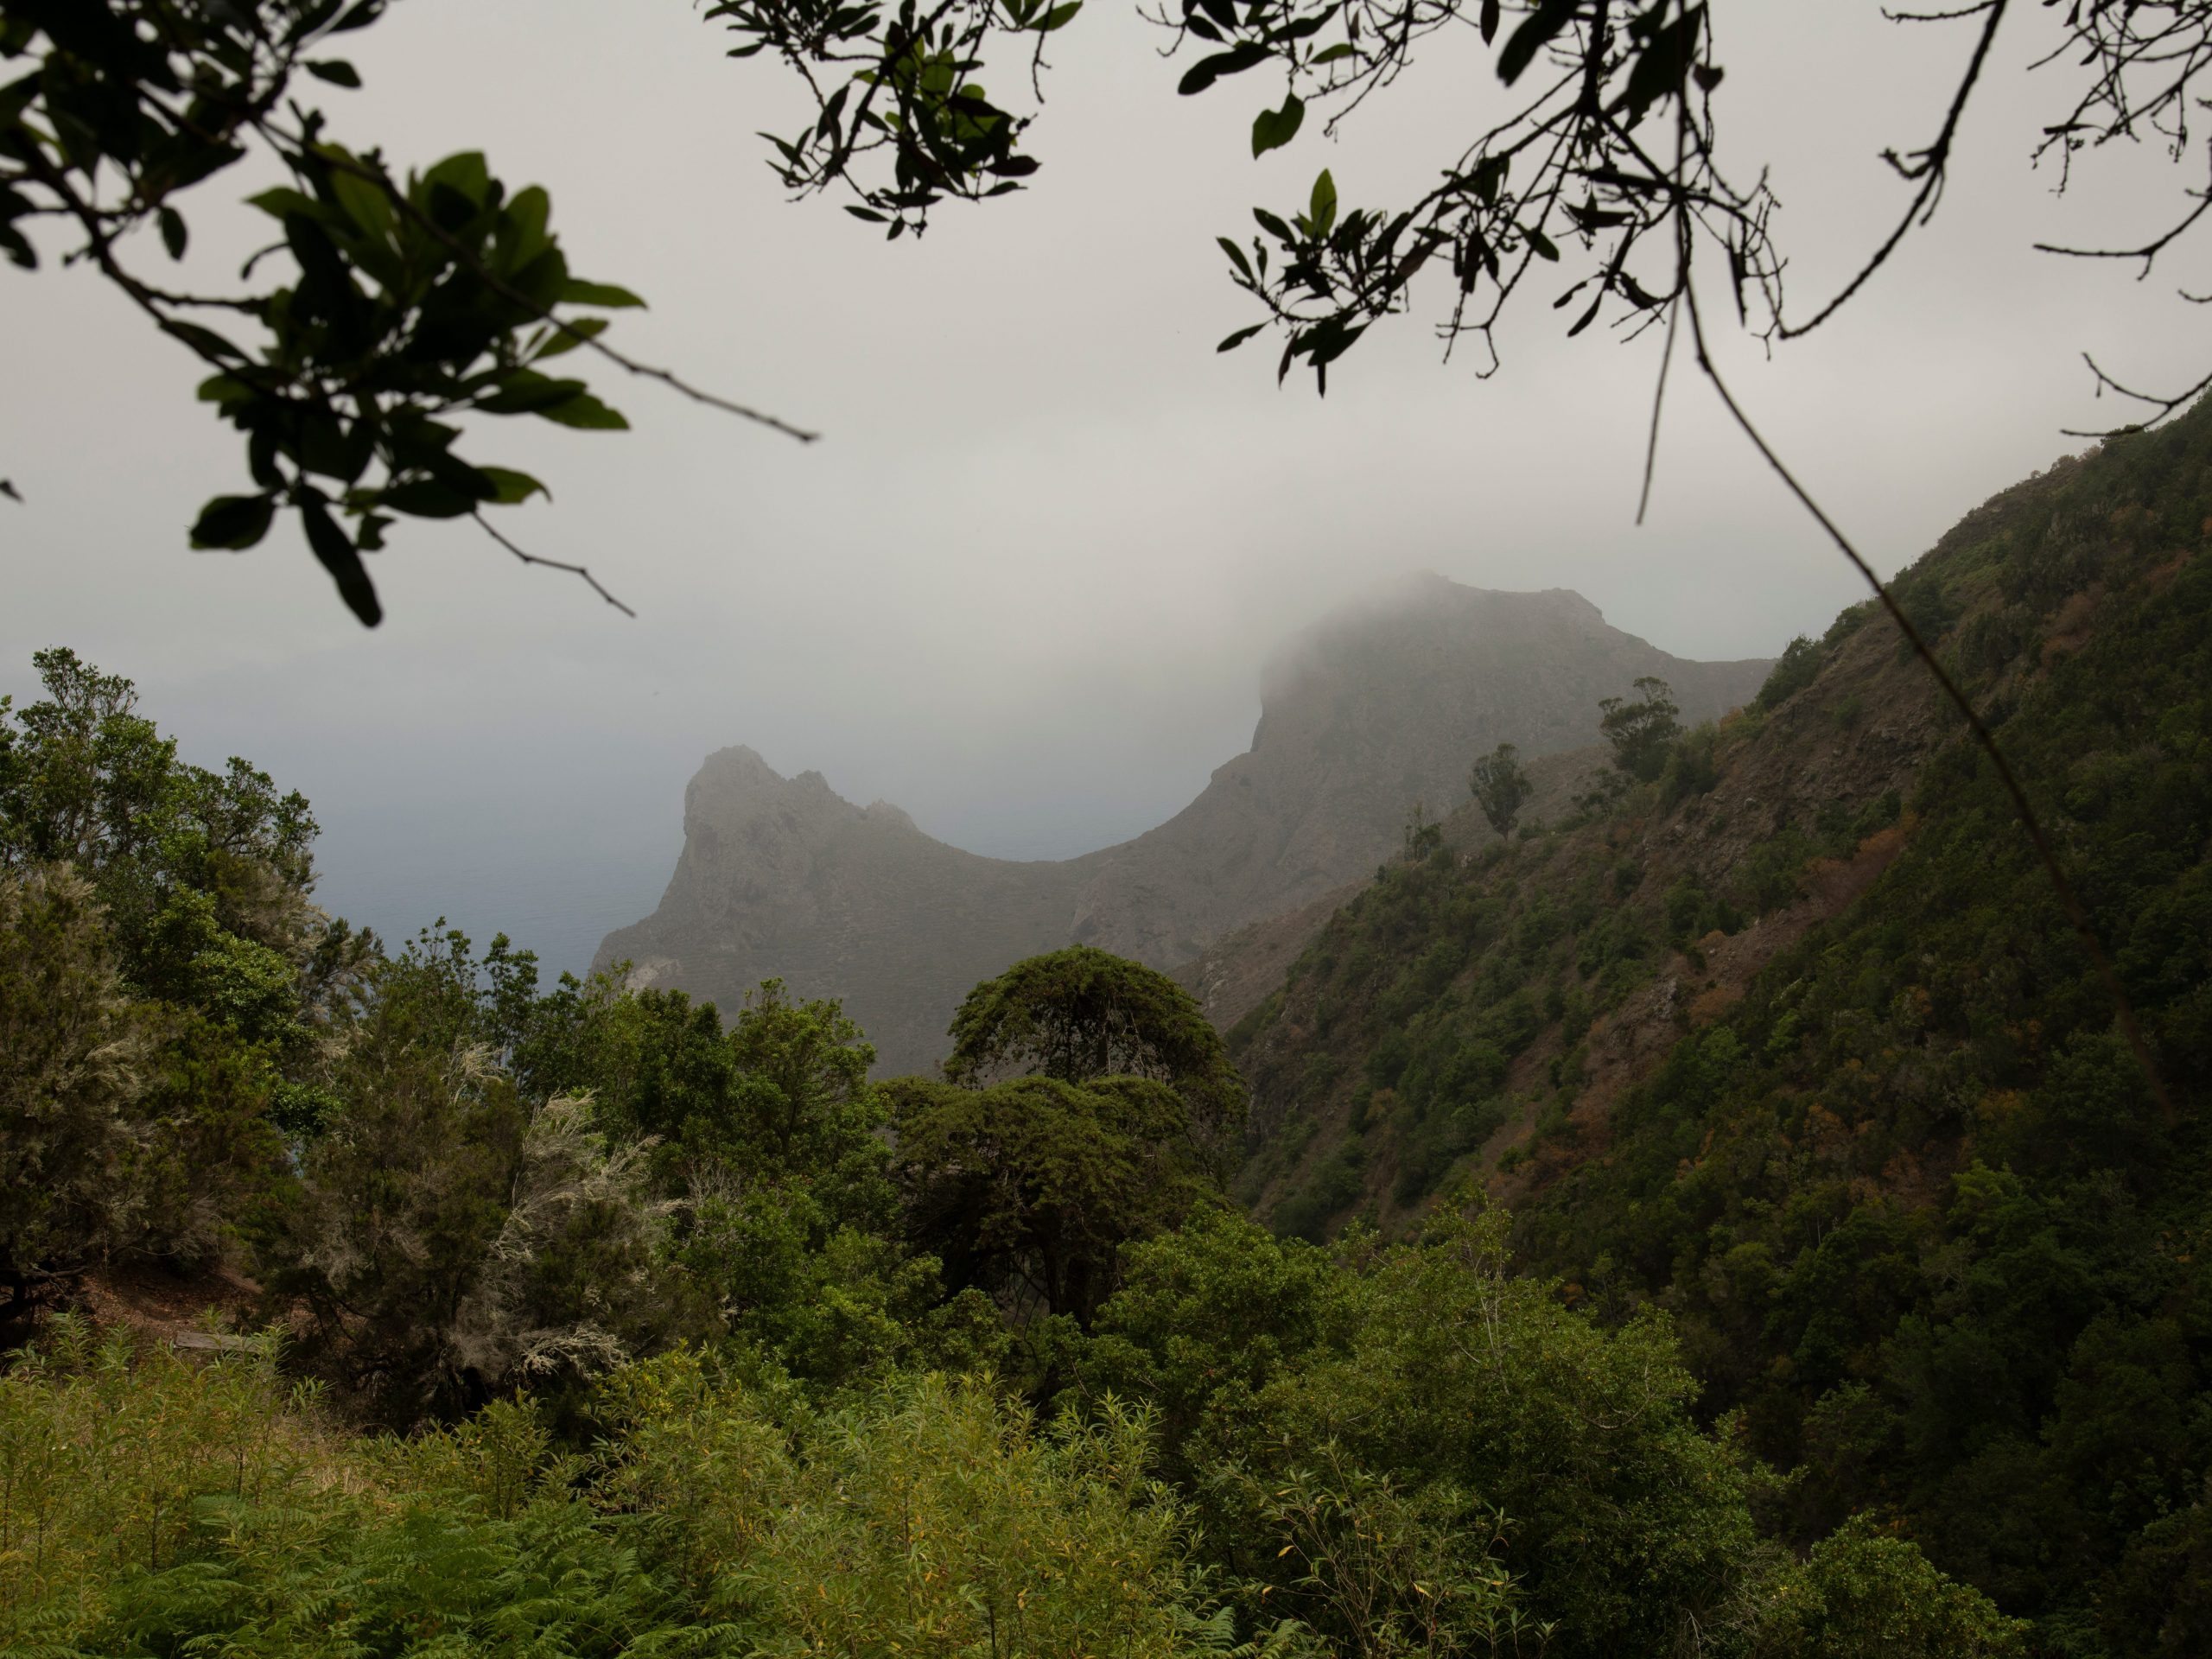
[(1371, 710), (1794, 1048)]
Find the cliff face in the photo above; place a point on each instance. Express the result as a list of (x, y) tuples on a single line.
[(1373, 710), (784, 877)]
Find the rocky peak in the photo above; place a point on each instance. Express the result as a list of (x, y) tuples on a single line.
[(1375, 708)]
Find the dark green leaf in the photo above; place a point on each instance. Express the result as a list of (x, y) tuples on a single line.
[(1236, 256), (231, 523), (1534, 35), (587, 412), (226, 389), (523, 392), (337, 71), (283, 201), (1322, 211), (513, 487), (1273, 128), (206, 341), (1206, 71), (1239, 337), (1273, 225), (173, 231), (574, 333), (430, 498), (606, 296), (340, 557), (466, 174)]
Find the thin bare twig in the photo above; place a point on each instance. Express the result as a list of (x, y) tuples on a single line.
[(492, 530), (1682, 251), (1928, 166), (2165, 406)]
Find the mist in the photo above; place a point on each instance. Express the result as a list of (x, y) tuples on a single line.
[(1025, 584)]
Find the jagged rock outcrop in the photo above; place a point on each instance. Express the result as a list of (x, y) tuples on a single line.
[(1373, 710)]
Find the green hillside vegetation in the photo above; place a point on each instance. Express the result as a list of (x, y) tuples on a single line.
[(589, 1321), (1789, 1039)]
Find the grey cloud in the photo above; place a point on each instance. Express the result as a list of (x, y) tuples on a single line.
[(1024, 586)]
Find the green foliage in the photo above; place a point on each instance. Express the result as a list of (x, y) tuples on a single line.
[(925, 1514), (1920, 1215), (1792, 671), (105, 1459), (1081, 1014), (168, 982), (1640, 728), (73, 1051), (152, 1506), (1925, 1231), (1421, 1405), (1367, 1568), (1330, 1187), (766, 1141), (1207, 1314), (156, 1506), (448, 1239), (86, 780), (393, 308), (1864, 1594), (1029, 1188), (1501, 787), (1690, 768), (781, 1098)]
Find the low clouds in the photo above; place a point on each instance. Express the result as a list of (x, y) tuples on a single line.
[(1023, 585)]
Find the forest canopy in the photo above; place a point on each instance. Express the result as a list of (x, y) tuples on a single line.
[(591, 1312)]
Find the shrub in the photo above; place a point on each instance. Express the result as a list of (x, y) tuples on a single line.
[(1866, 1594), (1792, 671)]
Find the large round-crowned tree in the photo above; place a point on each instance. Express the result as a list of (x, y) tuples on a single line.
[(1082, 1013), (1087, 1105)]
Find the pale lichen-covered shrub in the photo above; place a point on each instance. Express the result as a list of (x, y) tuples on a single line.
[(74, 1056)]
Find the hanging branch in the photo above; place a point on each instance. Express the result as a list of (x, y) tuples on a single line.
[(2077, 913)]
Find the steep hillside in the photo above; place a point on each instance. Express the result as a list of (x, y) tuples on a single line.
[(1375, 710), (1232, 976), (1797, 1044)]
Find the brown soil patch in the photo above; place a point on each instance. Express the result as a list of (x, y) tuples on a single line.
[(159, 1305)]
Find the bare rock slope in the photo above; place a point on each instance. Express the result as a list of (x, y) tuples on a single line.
[(1375, 710)]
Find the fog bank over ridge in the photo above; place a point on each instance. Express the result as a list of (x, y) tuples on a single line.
[(1383, 704)]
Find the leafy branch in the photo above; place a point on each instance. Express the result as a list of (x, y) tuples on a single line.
[(406, 306)]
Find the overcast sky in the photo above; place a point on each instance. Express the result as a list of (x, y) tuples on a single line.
[(1024, 584)]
